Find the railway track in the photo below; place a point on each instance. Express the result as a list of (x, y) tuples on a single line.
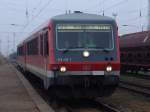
[(71, 105), (107, 107), (139, 75), (85, 106), (144, 90)]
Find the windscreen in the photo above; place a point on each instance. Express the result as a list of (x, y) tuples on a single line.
[(79, 36)]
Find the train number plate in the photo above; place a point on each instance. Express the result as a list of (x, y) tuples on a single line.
[(98, 72)]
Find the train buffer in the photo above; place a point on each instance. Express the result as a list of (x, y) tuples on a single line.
[(16, 94)]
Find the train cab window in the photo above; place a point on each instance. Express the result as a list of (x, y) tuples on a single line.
[(84, 36), (46, 44)]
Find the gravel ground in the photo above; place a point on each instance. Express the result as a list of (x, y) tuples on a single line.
[(128, 101), (135, 80), (2, 61)]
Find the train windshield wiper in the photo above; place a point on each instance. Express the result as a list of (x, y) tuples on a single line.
[(66, 50), (106, 50), (69, 48), (101, 48)]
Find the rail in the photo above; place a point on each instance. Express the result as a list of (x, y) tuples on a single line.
[(144, 90)]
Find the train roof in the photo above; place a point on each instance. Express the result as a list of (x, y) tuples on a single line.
[(38, 29), (137, 39), (77, 16), (81, 17)]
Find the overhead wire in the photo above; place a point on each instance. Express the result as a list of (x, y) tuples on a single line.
[(12, 3), (12, 32), (136, 18), (114, 5), (132, 11), (104, 1), (35, 16), (35, 7), (45, 6), (129, 21), (108, 8)]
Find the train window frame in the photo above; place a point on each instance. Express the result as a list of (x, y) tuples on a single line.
[(90, 49), (32, 46), (139, 55), (20, 51), (46, 43), (148, 54), (41, 44)]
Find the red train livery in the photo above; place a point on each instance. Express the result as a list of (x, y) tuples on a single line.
[(74, 55), (135, 52)]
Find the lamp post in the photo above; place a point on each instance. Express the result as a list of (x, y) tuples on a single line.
[(17, 25), (14, 35), (14, 41)]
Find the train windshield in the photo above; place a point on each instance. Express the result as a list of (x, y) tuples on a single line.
[(84, 36)]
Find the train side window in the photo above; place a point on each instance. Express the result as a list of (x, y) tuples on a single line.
[(139, 55), (135, 55), (20, 51), (41, 44), (148, 54), (122, 55), (36, 46), (130, 55), (32, 47), (145, 54), (46, 50)]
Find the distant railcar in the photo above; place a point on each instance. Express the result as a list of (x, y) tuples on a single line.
[(135, 51), (74, 54)]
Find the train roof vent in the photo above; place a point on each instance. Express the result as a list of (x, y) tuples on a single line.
[(78, 12)]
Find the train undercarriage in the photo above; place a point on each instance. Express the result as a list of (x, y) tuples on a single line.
[(83, 86)]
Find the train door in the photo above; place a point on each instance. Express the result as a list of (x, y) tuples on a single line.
[(25, 56), (44, 48), (45, 57)]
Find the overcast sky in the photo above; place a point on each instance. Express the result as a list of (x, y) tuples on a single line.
[(14, 12)]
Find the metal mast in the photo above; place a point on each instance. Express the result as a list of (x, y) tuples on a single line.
[(148, 14)]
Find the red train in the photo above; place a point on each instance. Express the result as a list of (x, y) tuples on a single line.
[(74, 54), (135, 52)]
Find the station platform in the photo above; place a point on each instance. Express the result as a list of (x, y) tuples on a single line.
[(16, 94)]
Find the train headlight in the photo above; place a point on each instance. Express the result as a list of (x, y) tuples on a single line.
[(86, 54), (63, 69), (108, 68)]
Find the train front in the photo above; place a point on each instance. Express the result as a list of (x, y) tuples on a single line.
[(86, 55)]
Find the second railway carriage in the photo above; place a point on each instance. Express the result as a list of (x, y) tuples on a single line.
[(74, 54), (135, 51)]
